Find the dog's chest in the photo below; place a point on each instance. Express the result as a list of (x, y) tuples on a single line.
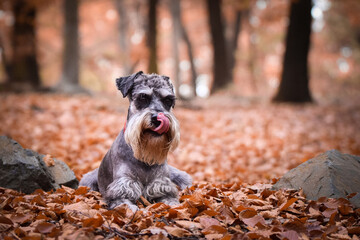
[(147, 174)]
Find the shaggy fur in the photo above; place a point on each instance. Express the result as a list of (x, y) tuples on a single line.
[(136, 164), (148, 149)]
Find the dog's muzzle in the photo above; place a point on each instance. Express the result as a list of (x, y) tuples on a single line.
[(161, 123)]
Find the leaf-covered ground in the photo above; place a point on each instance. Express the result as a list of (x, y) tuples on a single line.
[(232, 149)]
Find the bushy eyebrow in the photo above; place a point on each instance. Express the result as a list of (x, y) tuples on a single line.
[(143, 91), (164, 93)]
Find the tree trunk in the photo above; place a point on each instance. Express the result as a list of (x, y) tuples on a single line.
[(252, 53), (175, 12), (153, 68), (294, 86), (4, 60), (123, 27), (191, 58), (69, 81), (24, 68), (220, 61), (233, 44)]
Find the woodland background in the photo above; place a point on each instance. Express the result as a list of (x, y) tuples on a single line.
[(262, 86)]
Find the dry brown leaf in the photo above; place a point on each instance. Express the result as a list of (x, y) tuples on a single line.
[(21, 218), (253, 221), (189, 224), (45, 227), (81, 190), (207, 222), (214, 229), (49, 161), (247, 213), (291, 235), (94, 222), (176, 231), (288, 204)]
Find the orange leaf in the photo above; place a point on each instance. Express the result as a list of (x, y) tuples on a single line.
[(172, 213), (39, 201), (248, 213), (93, 222), (241, 208), (288, 203), (210, 213), (81, 190)]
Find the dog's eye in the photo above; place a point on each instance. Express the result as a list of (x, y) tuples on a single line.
[(168, 102), (142, 100)]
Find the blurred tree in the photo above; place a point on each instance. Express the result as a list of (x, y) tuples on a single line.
[(69, 81), (252, 51), (175, 12), (191, 58), (232, 42), (294, 85), (180, 31), (221, 73), (225, 45), (3, 59), (124, 43), (152, 37), (22, 67)]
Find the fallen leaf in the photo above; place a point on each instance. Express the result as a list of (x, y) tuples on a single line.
[(176, 231), (45, 227), (207, 222), (49, 161), (288, 204), (93, 222), (189, 224)]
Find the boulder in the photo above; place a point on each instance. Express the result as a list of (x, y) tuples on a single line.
[(330, 174), (25, 170), (63, 174)]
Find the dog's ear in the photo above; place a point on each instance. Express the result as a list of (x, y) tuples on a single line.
[(124, 84), (169, 82)]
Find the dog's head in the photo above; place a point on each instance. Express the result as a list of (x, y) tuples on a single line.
[(151, 129)]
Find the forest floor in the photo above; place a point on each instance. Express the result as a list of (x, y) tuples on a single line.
[(234, 149)]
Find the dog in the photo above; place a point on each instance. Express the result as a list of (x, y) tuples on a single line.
[(136, 164)]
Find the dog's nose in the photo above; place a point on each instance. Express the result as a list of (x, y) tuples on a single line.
[(154, 120)]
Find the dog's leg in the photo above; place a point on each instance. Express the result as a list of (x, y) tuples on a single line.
[(123, 190), (180, 178), (162, 190), (90, 180)]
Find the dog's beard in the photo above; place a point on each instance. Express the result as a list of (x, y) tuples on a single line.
[(148, 146)]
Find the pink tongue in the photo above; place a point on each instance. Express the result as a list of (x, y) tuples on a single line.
[(164, 124)]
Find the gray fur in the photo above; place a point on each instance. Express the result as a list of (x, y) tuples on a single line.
[(90, 179), (121, 178)]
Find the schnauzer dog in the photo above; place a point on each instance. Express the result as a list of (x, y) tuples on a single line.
[(136, 164)]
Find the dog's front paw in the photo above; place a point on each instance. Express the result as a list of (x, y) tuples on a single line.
[(113, 204), (170, 201)]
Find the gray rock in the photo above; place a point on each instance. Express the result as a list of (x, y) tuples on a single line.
[(25, 171), (63, 174), (355, 200), (331, 174)]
